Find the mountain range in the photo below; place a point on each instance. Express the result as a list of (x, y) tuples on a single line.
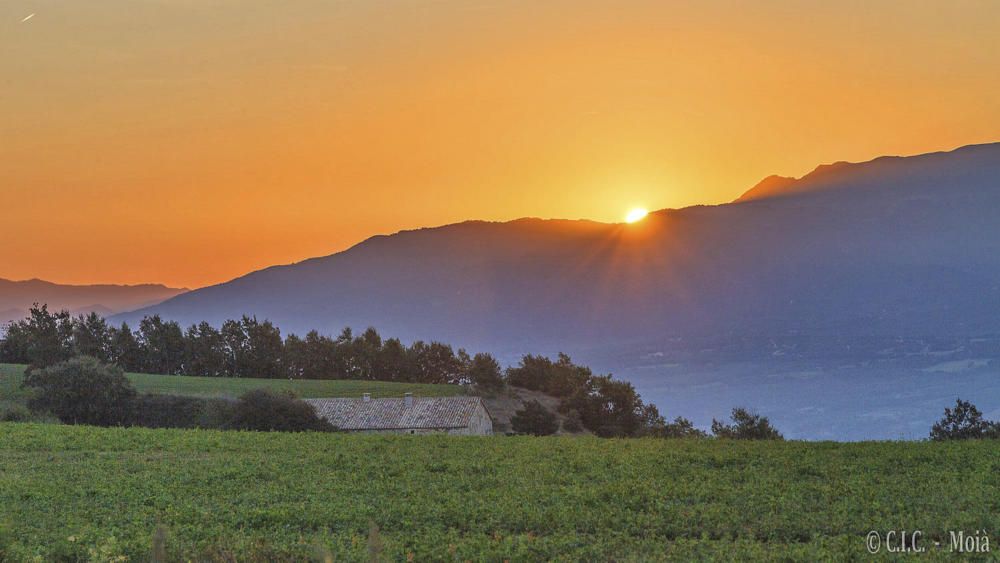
[(855, 302), (894, 248), (16, 297)]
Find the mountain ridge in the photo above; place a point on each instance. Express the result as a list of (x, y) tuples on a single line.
[(891, 246), (17, 296)]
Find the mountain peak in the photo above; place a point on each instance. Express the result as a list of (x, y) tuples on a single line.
[(768, 187)]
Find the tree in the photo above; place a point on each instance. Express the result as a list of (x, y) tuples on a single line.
[(267, 410), (313, 357), (964, 422), (746, 426), (484, 372), (561, 378), (680, 428), (124, 350), (433, 363), (82, 390), (264, 348), (204, 351), (91, 337), (612, 408), (236, 348), (535, 419), (14, 346), (394, 361), (162, 345), (367, 350), (42, 339)]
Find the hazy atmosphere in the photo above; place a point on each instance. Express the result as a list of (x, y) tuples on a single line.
[(188, 142), (499, 280)]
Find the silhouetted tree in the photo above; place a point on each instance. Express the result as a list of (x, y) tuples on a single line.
[(964, 422), (162, 345), (42, 339), (484, 371), (609, 408), (311, 358), (680, 428), (433, 363), (236, 348), (15, 344), (264, 349), (561, 378), (394, 360), (91, 337), (124, 350), (746, 426), (204, 351)]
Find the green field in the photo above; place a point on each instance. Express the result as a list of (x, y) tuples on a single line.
[(11, 391), (88, 493)]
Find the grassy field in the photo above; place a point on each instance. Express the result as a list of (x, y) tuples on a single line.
[(88, 493), (11, 391)]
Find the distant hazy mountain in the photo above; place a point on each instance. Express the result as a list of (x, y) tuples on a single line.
[(16, 297), (895, 248)]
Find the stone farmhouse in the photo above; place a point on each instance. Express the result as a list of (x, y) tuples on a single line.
[(408, 415)]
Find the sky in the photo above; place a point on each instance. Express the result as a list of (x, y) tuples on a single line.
[(187, 142)]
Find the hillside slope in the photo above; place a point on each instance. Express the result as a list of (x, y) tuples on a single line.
[(16, 297), (895, 247)]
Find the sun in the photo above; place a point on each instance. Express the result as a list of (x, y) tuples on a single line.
[(637, 214)]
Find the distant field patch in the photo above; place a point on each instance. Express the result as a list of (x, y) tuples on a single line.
[(12, 393)]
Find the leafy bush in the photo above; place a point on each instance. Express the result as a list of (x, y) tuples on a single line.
[(177, 411), (746, 426), (16, 413), (572, 422), (266, 410), (534, 419), (82, 390), (965, 422), (680, 428)]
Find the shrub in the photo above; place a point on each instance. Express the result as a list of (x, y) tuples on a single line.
[(175, 411), (746, 426), (266, 410), (16, 413), (572, 422), (534, 419), (82, 390), (681, 428), (965, 422)]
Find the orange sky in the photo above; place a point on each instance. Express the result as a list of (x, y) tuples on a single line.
[(190, 141)]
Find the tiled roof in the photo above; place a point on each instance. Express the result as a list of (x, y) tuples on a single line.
[(393, 414)]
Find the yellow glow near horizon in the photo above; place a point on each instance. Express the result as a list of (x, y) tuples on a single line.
[(637, 214), (164, 119)]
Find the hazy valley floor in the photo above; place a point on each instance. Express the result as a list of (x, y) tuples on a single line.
[(823, 400), (96, 494)]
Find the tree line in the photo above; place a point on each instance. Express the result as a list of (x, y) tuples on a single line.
[(250, 348), (239, 348)]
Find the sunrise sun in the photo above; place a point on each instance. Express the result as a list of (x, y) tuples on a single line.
[(637, 214)]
